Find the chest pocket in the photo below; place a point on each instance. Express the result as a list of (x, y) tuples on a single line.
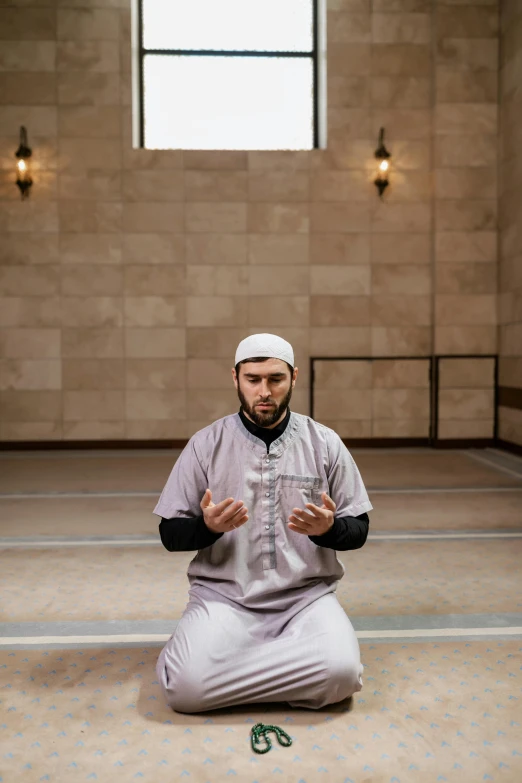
[(307, 487)]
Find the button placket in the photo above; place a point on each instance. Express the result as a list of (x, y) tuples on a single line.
[(269, 558)]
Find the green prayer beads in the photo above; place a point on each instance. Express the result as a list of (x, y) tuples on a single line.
[(261, 730)]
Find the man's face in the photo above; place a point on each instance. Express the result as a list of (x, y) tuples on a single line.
[(264, 390)]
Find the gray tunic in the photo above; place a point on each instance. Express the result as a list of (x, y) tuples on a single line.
[(264, 565), (262, 623)]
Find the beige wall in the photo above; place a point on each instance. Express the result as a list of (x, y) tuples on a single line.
[(129, 276), (510, 277)]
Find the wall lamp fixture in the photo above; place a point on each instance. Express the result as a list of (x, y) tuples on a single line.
[(23, 153), (382, 155)]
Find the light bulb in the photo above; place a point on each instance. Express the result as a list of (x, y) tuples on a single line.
[(384, 165), (22, 166)]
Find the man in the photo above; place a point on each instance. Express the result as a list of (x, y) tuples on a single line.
[(266, 496)]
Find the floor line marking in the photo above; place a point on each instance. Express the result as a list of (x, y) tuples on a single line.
[(492, 464), (161, 637), (391, 536), (166, 626), (14, 544), (414, 632), (370, 490), (438, 490), (94, 639), (506, 456), (57, 494), (80, 542)]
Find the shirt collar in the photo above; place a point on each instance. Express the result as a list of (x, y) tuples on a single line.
[(264, 433)]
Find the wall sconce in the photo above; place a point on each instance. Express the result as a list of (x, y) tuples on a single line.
[(382, 155), (23, 153)]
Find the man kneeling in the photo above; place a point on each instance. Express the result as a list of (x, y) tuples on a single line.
[(263, 623)]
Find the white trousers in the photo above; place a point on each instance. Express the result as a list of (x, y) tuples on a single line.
[(221, 655)]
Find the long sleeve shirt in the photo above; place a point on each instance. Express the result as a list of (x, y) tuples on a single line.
[(181, 534)]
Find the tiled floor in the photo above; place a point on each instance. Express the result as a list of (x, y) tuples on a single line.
[(385, 577), (441, 712), (435, 597)]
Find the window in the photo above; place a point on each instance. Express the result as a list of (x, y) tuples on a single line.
[(227, 74)]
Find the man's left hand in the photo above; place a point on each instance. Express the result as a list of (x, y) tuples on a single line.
[(314, 521)]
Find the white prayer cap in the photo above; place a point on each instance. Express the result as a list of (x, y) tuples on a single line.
[(265, 345)]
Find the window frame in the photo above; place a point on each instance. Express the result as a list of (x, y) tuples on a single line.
[(142, 51)]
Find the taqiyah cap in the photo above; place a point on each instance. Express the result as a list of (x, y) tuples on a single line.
[(265, 345)]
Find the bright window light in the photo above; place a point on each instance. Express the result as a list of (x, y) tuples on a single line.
[(228, 74)]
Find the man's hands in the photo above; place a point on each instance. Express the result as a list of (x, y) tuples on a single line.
[(224, 517), (230, 514), (316, 521)]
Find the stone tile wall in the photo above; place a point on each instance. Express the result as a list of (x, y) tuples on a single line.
[(466, 398), (129, 276), (383, 398), (510, 234)]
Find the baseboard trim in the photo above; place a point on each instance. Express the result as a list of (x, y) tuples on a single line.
[(92, 445), (506, 445), (465, 443), (386, 443)]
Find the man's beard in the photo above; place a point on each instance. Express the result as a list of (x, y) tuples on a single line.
[(268, 417)]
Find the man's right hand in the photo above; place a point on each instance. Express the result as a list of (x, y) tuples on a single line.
[(225, 516)]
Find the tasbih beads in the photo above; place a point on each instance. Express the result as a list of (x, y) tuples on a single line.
[(261, 730)]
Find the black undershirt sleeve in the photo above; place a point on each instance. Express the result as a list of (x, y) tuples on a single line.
[(188, 535), (346, 533)]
